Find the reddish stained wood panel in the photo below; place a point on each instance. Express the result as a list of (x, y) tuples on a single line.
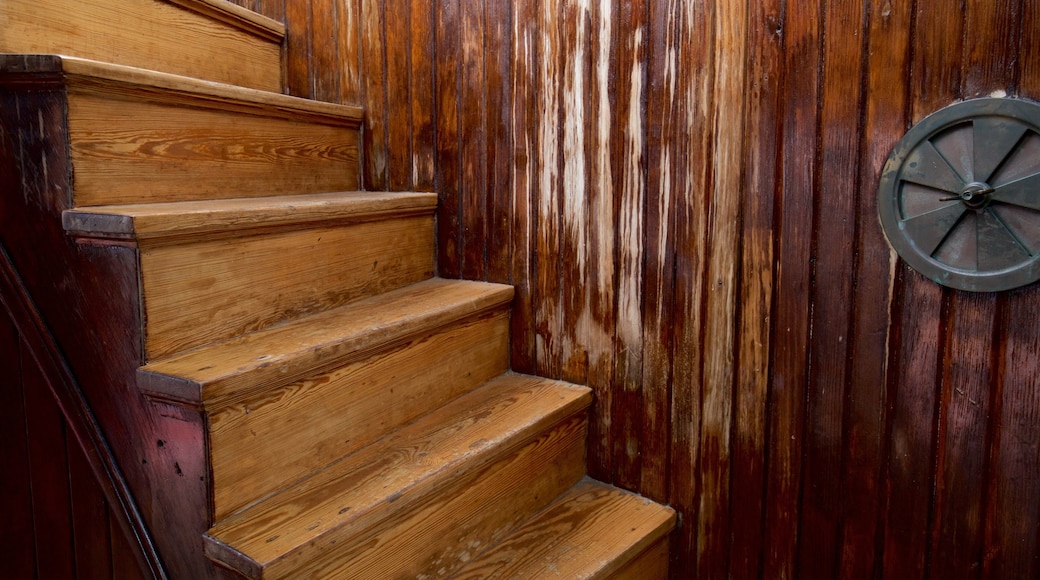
[(524, 52), (967, 384), (296, 64), (17, 548), (574, 190), (448, 69), (992, 48), (325, 53), (628, 151), (663, 108), (49, 472), (547, 142), (472, 148), (1012, 545), (803, 409), (718, 378), (421, 87), (884, 112), (597, 330), (696, 28), (840, 131), (375, 160), (757, 273), (399, 131), (90, 521), (794, 225)]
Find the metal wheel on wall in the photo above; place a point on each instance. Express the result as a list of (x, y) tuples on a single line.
[(959, 198)]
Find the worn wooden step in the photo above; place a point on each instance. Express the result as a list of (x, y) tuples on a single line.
[(214, 40), (592, 531), (240, 368), (216, 269), (179, 222), (139, 136), (421, 500)]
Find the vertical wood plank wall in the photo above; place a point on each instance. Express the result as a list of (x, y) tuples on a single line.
[(683, 194), (57, 522)]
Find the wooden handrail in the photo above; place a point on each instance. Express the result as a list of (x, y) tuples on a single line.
[(77, 413)]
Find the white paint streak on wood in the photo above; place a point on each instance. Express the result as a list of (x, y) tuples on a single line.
[(549, 311), (575, 188), (631, 227), (728, 131)]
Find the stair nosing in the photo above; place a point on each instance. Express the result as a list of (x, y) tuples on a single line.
[(242, 18), (434, 476), (175, 221), (214, 390), (121, 81)]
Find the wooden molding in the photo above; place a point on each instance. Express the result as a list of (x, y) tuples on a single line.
[(237, 16)]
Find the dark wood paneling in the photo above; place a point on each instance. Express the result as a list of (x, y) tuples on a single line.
[(683, 194), (17, 545)]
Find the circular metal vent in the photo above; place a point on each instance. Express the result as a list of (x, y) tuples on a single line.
[(959, 198)]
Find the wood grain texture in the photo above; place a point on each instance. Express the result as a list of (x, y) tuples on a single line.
[(205, 292), (262, 443), (216, 375), (590, 531), (161, 153), (17, 536), (237, 16), (807, 411), (510, 424), (76, 287), (151, 34)]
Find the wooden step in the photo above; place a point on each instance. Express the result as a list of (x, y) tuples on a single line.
[(213, 270), (243, 367), (592, 531), (160, 223), (421, 500), (214, 40), (139, 136)]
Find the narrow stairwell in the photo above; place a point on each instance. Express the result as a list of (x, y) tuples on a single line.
[(356, 415)]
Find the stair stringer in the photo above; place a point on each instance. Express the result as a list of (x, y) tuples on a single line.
[(89, 297)]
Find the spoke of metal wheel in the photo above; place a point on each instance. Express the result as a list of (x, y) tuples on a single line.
[(926, 166), (995, 140), (998, 247), (928, 230), (1024, 193)]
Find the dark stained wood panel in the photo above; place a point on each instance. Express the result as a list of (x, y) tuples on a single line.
[(684, 196)]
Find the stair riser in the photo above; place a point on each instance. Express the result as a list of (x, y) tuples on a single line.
[(650, 565), (472, 512), (135, 151), (208, 291), (262, 444), (149, 34)]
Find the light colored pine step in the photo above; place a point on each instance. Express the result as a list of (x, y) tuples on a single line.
[(214, 40), (422, 499), (206, 289), (156, 223), (238, 369), (592, 531), (139, 136), (260, 445)]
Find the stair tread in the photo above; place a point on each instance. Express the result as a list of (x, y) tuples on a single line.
[(590, 531), (151, 221), (215, 374), (97, 76), (394, 474)]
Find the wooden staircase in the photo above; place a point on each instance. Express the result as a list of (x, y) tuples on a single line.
[(356, 416)]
